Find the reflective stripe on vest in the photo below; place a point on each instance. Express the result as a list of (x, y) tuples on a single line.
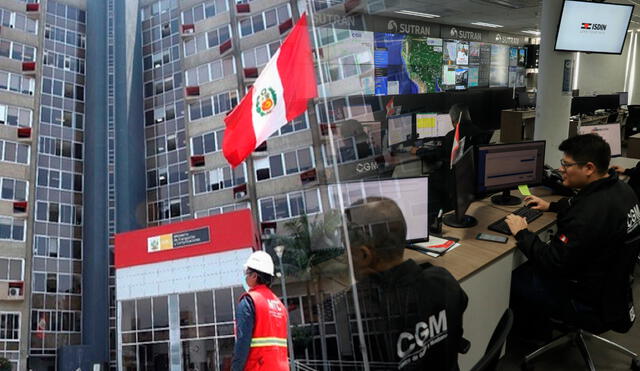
[(268, 342)]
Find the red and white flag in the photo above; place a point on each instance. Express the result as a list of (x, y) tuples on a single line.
[(279, 95), (458, 145)]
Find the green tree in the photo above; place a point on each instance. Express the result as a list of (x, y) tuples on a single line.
[(5, 365), (308, 247)]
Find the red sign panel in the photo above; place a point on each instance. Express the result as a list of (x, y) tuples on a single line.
[(202, 236)]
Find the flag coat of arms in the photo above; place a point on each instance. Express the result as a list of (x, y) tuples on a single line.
[(279, 95), (458, 145)]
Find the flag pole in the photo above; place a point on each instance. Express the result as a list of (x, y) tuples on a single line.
[(345, 231)]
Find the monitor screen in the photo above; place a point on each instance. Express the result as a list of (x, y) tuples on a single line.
[(505, 166), (593, 27), (623, 98), (432, 125), (400, 129), (410, 194), (610, 133), (463, 173), (583, 105), (608, 101)]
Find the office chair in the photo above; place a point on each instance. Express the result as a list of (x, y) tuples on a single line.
[(489, 362), (632, 126), (576, 333)]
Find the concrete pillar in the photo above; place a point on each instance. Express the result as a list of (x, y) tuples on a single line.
[(553, 108)]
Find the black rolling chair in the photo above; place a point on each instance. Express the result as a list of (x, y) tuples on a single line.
[(633, 121), (618, 302), (489, 362)]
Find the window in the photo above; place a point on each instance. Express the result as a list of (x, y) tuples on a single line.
[(51, 178), (213, 71), (222, 209), (19, 21), (207, 143), (14, 189), (58, 213), (60, 147), (12, 229), (206, 40), (299, 124), (220, 178), (17, 83), (213, 105), (57, 247), (289, 205), (264, 20), (15, 116), (11, 269), (9, 326), (259, 56), (15, 152), (205, 10), (289, 162)]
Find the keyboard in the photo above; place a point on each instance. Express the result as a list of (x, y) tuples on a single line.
[(525, 212)]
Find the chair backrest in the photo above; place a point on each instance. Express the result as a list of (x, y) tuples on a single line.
[(618, 298), (492, 355)]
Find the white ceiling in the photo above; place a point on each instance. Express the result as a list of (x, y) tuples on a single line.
[(514, 15)]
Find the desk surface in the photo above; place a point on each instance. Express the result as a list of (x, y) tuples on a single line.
[(472, 255)]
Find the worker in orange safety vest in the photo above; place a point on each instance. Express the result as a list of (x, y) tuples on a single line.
[(261, 320)]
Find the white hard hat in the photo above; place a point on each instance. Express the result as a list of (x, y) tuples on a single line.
[(261, 262)]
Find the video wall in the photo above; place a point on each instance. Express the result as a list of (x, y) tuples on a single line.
[(410, 64)]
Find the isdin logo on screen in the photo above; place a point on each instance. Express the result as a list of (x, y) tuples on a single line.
[(593, 26)]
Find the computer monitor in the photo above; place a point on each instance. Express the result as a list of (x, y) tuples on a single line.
[(609, 132), (580, 105), (525, 99), (502, 167), (400, 129), (432, 125), (623, 98), (410, 194), (464, 190), (608, 101)]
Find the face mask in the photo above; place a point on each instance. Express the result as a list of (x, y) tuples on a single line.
[(245, 285)]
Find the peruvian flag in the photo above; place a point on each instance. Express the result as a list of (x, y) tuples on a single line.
[(279, 95), (458, 145)]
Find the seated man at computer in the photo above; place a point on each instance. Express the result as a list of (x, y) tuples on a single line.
[(565, 279), (413, 313), (634, 176)]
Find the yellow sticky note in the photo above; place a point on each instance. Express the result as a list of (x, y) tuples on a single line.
[(524, 189), (426, 122)]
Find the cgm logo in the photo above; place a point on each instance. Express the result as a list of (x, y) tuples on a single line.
[(453, 32), (392, 26)]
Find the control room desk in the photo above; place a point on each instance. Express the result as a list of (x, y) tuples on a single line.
[(484, 270)]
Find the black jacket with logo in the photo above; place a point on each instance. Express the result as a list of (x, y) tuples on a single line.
[(634, 178), (412, 318), (592, 227)]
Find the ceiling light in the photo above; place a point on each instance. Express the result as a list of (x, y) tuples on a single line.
[(417, 14), (532, 32), (486, 24)]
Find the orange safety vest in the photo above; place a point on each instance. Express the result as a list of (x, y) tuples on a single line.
[(269, 339)]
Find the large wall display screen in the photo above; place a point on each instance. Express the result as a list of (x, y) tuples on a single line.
[(593, 27), (407, 64)]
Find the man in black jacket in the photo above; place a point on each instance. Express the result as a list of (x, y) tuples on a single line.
[(568, 277), (412, 314)]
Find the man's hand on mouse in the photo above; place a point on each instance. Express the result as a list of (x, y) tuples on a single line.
[(536, 203)]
